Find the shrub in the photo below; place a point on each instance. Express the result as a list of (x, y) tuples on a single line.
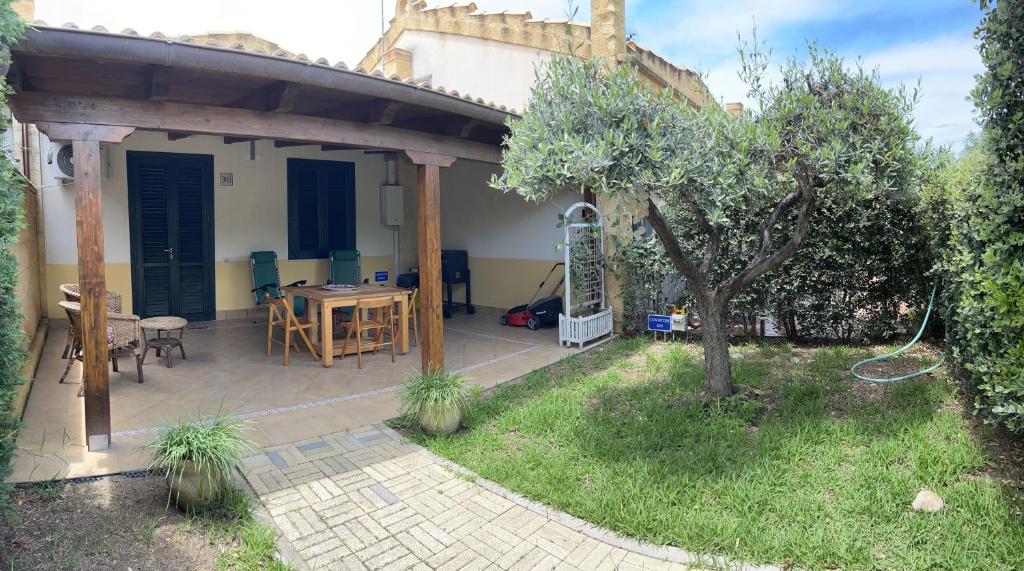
[(984, 263), (12, 342), (641, 266)]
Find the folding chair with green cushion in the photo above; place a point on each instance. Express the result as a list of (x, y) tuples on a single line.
[(266, 280), (344, 270), (344, 267)]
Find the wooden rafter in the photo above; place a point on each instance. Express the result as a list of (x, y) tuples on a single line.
[(278, 96), (384, 114), (286, 144), (157, 87)]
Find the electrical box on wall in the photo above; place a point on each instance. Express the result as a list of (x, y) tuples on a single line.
[(392, 205)]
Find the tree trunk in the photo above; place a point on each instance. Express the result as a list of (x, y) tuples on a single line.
[(717, 366), (788, 321)]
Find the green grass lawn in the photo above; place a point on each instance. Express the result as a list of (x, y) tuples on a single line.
[(807, 468)]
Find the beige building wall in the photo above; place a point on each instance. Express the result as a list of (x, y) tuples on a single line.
[(26, 251), (28, 291)]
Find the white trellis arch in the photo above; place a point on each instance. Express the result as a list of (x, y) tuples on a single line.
[(587, 315)]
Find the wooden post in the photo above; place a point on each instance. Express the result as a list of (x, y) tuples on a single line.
[(91, 270), (428, 171)]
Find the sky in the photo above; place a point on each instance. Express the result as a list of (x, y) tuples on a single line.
[(907, 40)]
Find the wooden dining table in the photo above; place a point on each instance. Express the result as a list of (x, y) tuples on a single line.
[(326, 300)]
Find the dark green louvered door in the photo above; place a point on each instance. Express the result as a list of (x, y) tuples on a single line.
[(171, 217)]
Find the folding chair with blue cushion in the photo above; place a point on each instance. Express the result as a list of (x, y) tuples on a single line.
[(266, 280)]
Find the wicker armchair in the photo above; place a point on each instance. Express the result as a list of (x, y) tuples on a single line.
[(73, 292), (122, 333)]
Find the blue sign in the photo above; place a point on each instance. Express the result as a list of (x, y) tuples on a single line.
[(659, 322), (381, 276)]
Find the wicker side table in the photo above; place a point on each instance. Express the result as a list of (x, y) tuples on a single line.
[(165, 342)]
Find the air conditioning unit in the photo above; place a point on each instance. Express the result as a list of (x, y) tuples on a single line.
[(62, 157)]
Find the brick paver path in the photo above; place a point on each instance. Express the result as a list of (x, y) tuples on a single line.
[(369, 499)]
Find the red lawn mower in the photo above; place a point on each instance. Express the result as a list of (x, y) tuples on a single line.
[(538, 312)]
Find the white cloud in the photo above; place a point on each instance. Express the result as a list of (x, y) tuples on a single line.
[(946, 66)]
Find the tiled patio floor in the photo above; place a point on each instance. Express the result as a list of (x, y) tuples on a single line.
[(366, 498), (227, 371)]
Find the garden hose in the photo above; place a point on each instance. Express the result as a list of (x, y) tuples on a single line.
[(853, 369)]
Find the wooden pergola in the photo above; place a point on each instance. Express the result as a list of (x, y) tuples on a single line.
[(91, 87)]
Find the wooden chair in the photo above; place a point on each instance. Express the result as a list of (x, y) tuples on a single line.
[(122, 333), (281, 313), (375, 316), (73, 292), (413, 313)]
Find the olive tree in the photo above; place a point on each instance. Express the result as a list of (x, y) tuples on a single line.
[(745, 186)]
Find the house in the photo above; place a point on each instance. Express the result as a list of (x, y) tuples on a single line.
[(159, 163)]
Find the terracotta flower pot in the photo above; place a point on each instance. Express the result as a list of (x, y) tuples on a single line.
[(191, 487), (440, 419)]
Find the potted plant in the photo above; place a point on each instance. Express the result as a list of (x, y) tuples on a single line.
[(437, 400), (199, 458)]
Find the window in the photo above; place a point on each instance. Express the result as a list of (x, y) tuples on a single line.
[(321, 208)]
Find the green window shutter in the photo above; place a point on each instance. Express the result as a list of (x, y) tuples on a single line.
[(341, 204), (321, 207), (153, 186), (192, 240), (303, 211)]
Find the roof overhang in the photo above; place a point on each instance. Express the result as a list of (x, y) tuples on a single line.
[(77, 76)]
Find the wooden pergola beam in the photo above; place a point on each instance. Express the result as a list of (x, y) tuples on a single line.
[(226, 121)]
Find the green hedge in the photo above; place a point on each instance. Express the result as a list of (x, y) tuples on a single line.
[(985, 261), (12, 341)]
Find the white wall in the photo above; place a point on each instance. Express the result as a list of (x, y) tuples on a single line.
[(492, 224), (494, 71)]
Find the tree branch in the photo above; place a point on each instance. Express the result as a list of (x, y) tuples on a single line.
[(711, 253), (769, 224), (714, 233), (675, 251), (807, 192)]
